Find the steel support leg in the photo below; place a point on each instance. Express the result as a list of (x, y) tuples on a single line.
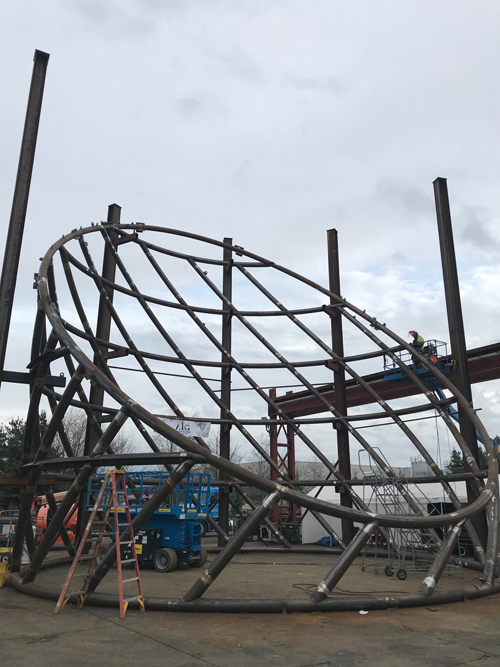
[(272, 527), (441, 560), (216, 567), (492, 546), (344, 562), (70, 548), (30, 539)]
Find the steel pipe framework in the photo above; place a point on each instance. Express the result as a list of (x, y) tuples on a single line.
[(87, 351)]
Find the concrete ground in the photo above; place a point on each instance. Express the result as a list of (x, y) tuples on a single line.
[(464, 633)]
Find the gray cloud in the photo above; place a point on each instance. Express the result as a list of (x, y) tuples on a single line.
[(410, 200), (238, 63), (327, 84), (476, 230), (129, 17), (200, 104)]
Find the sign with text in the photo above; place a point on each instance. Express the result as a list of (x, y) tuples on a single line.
[(189, 428)]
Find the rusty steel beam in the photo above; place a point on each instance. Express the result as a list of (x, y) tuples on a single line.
[(457, 337), (103, 328), (339, 381), (483, 362), (20, 200), (225, 429)]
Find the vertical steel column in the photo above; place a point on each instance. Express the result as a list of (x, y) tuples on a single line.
[(103, 330), (274, 430), (339, 379), (273, 453), (283, 511), (225, 429), (457, 336), (103, 327), (20, 200), (290, 441)]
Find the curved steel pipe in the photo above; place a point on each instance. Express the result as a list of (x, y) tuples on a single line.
[(125, 405)]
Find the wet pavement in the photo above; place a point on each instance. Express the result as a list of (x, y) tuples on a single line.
[(464, 633)]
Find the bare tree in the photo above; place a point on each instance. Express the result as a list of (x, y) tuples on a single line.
[(164, 444), (256, 463), (75, 426), (213, 443)]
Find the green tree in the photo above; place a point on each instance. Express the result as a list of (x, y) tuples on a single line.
[(456, 462), (236, 505), (483, 461)]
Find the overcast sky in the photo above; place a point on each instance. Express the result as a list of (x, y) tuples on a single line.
[(269, 122)]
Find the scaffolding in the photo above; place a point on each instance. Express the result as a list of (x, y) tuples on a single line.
[(406, 549)]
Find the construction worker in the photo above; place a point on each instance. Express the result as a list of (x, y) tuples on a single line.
[(431, 352), (417, 342), (37, 503)]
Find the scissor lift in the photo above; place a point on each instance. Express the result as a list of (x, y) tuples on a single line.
[(435, 350), (172, 536)]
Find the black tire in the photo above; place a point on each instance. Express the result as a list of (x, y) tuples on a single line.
[(200, 562), (5, 558), (401, 574), (165, 560), (389, 571), (204, 528)]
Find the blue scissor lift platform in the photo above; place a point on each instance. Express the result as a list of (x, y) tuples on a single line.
[(435, 350), (172, 536)]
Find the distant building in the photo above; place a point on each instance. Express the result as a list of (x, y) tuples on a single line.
[(420, 468), (315, 470)]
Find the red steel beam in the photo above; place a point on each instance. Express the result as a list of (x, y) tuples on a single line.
[(484, 365)]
